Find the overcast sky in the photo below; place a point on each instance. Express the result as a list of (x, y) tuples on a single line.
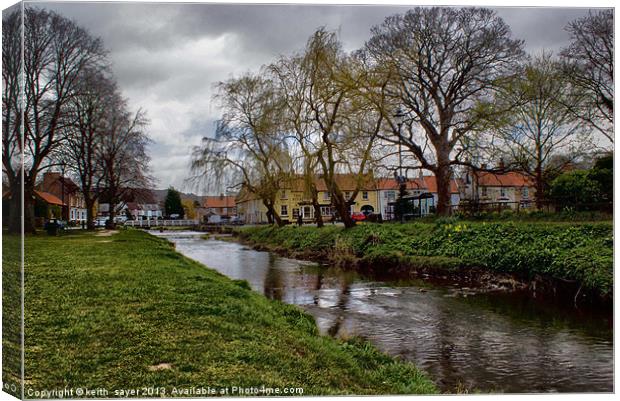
[(166, 57)]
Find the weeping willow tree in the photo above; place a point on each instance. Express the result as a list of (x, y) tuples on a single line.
[(329, 115), (249, 151)]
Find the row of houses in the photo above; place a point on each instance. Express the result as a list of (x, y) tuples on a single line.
[(57, 196), (378, 196), (60, 197)]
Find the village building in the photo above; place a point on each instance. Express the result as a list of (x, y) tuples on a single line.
[(293, 200), (143, 211), (63, 188), (46, 206), (421, 193), (136, 204), (221, 205), (511, 189)]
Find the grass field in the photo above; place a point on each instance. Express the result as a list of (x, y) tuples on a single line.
[(127, 312), (576, 252)]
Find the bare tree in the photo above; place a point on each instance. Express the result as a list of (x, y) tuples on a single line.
[(88, 112), (539, 129), (249, 150), (590, 68), (445, 63), (124, 161), (55, 52), (12, 109)]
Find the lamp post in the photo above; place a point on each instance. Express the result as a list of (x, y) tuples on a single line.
[(399, 116), (63, 167)]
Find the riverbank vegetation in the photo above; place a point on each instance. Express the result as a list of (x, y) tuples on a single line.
[(127, 311), (577, 253)]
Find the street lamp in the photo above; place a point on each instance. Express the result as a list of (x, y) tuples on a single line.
[(399, 117)]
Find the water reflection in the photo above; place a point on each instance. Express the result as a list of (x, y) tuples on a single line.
[(490, 342)]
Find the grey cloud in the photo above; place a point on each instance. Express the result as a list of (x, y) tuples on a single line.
[(161, 66)]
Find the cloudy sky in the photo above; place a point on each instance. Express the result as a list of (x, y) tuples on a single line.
[(167, 57)]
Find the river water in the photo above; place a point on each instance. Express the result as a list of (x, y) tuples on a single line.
[(462, 339)]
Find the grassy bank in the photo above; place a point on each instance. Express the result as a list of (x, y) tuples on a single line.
[(126, 311), (11, 315), (580, 253)]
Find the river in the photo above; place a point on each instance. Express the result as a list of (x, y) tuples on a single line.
[(462, 339)]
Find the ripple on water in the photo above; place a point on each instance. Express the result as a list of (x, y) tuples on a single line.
[(489, 342)]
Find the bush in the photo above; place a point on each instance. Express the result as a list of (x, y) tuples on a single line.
[(574, 188), (581, 252)]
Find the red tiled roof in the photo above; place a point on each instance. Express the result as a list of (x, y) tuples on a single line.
[(428, 182), (218, 201), (511, 179), (49, 198)]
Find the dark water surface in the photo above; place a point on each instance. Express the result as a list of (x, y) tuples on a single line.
[(488, 342)]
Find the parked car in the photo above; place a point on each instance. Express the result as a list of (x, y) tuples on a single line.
[(358, 216), (215, 219), (236, 221), (100, 221)]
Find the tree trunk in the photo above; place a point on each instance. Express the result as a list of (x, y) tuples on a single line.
[(343, 209), (15, 209), (317, 211), (540, 188), (272, 215), (29, 221), (90, 204), (443, 174), (110, 224)]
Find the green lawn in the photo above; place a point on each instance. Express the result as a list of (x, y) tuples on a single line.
[(127, 311), (580, 252), (11, 315)]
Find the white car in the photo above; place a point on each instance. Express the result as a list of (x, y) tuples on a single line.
[(100, 221)]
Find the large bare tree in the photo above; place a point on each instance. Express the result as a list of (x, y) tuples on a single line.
[(540, 136), (89, 111), (123, 159), (590, 68), (445, 63), (55, 52)]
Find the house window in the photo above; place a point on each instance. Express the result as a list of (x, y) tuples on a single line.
[(525, 192), (326, 211), (295, 212), (347, 195), (484, 192), (502, 192), (365, 195), (284, 210), (390, 195), (283, 195), (326, 195)]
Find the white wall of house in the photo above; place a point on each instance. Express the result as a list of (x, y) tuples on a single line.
[(252, 211), (77, 214)]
